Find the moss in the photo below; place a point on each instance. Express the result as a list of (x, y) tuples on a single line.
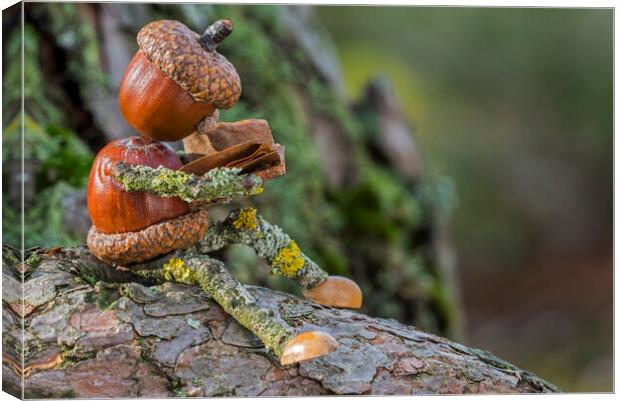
[(246, 219), (104, 299), (8, 255), (67, 394), (288, 261), (86, 274), (33, 260), (176, 386), (73, 355), (145, 356)]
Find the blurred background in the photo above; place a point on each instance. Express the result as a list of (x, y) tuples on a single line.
[(457, 162)]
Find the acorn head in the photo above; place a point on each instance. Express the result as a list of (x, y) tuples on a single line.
[(191, 60)]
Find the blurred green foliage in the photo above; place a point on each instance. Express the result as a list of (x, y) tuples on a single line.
[(60, 161), (493, 91), (515, 104), (61, 164)]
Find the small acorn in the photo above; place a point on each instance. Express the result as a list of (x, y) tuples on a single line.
[(177, 79), (137, 226)]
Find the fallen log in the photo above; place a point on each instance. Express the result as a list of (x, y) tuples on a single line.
[(91, 331)]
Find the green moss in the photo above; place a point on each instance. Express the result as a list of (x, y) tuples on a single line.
[(73, 355), (176, 386), (86, 274), (33, 260), (104, 299), (8, 255)]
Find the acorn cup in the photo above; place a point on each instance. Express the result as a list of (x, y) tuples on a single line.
[(133, 227), (177, 79)]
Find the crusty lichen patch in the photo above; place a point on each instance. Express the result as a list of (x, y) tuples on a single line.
[(288, 261), (246, 219), (176, 269)]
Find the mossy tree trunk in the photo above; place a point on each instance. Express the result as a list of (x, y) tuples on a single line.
[(94, 332)]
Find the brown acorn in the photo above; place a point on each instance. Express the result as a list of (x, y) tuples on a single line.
[(177, 79), (137, 226)]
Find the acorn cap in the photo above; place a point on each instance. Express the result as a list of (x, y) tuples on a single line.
[(139, 246), (191, 60)]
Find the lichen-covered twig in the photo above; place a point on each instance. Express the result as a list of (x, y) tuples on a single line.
[(213, 277), (215, 186), (269, 241), (240, 227)]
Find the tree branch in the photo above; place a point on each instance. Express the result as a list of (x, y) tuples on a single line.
[(87, 338)]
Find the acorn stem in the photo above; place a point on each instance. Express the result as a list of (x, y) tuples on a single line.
[(215, 34)]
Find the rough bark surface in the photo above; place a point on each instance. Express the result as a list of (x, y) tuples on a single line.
[(106, 334)]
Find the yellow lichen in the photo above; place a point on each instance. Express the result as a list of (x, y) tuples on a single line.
[(175, 269), (246, 219), (288, 260)]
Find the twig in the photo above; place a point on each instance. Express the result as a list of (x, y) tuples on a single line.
[(269, 241), (216, 185)]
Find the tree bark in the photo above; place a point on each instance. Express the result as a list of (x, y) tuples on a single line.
[(92, 331)]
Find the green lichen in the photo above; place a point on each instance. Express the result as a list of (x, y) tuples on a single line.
[(288, 261), (215, 185), (212, 276)]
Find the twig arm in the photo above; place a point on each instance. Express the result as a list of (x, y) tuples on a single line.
[(269, 241), (218, 184)]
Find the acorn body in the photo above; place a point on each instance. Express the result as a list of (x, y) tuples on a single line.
[(177, 79), (114, 210), (155, 105)]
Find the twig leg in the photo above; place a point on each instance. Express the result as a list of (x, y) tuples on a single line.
[(272, 243), (212, 276)]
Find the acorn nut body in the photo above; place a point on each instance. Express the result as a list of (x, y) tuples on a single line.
[(177, 79), (155, 106), (137, 226)]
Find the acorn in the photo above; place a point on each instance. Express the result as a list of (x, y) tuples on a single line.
[(177, 79), (133, 227)]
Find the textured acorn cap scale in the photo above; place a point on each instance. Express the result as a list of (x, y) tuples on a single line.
[(191, 60), (139, 246)]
